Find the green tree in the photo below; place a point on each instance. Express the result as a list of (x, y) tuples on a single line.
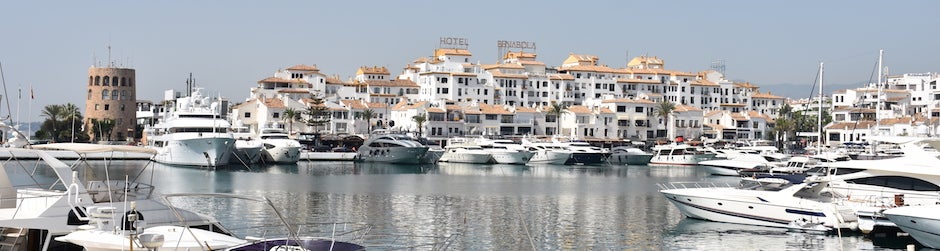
[(663, 110), (367, 115), (420, 119), (102, 128), (557, 109), (50, 128), (317, 113), (72, 120)]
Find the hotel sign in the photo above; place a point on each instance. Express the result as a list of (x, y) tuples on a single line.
[(454, 42), (515, 44)]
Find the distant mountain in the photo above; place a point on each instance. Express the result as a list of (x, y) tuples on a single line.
[(797, 91)]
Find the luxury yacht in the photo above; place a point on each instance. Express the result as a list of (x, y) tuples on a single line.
[(392, 148), (505, 151), (763, 202), (628, 155), (247, 148), (582, 153), (192, 134), (678, 154), (463, 150), (546, 153), (921, 222), (278, 147)]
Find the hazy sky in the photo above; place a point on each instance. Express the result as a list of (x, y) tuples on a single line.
[(230, 45)]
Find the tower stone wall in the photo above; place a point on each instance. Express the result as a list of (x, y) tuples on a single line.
[(112, 95)]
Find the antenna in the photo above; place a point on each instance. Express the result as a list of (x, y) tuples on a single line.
[(109, 55), (719, 66)]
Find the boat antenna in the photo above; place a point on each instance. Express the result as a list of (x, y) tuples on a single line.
[(4, 82)]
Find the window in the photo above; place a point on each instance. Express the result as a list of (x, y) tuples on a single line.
[(106, 106), (621, 108), (639, 109), (97, 106), (122, 107), (490, 117), (104, 94), (247, 115), (114, 95), (276, 115)]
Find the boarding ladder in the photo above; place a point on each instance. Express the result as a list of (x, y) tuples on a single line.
[(12, 239)]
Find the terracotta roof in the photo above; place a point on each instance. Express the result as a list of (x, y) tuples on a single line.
[(274, 103), (561, 77), (498, 74), (493, 109), (525, 109), (377, 105), (656, 71), (896, 99), (392, 83), (455, 52), (713, 113), (636, 80), (294, 90), (686, 108), (896, 121), (728, 104), (745, 85), (503, 66), (281, 80), (529, 62), (336, 80), (853, 110), (420, 60), (303, 67), (627, 100), (702, 82), (765, 95), (738, 116), (606, 110), (435, 109), (472, 110), (579, 109), (518, 54), (852, 125), (588, 68), (405, 106), (466, 74), (354, 104)]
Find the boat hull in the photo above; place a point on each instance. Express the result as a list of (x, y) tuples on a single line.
[(466, 157), (550, 157), (214, 151), (586, 159), (513, 158), (394, 155), (921, 222), (679, 159), (630, 159), (247, 152)]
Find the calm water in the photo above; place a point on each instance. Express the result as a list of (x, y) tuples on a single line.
[(485, 207)]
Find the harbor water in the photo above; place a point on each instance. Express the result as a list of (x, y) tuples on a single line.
[(480, 207)]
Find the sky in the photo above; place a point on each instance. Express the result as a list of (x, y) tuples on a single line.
[(229, 45)]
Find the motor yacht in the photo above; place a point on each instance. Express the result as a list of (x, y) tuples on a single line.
[(582, 153), (462, 150), (546, 153), (505, 151), (736, 163), (247, 147), (392, 148), (192, 133), (921, 222), (678, 154), (63, 204), (628, 155), (279, 148), (763, 202)]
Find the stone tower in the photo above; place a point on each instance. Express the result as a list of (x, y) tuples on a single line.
[(112, 96)]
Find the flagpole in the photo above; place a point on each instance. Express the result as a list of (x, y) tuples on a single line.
[(29, 113)]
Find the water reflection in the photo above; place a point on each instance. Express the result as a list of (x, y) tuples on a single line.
[(489, 206)]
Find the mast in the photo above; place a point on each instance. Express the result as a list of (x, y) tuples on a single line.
[(880, 93), (819, 115)]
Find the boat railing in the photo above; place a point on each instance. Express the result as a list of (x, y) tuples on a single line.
[(25, 200), (693, 184), (118, 190)]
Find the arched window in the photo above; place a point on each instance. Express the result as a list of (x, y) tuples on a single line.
[(97, 80), (91, 80), (114, 95), (89, 94), (106, 81), (123, 81), (124, 95), (104, 94)]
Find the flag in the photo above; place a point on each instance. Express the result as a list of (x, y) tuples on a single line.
[(32, 95)]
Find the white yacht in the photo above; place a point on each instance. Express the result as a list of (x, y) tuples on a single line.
[(192, 133), (771, 202), (582, 153), (737, 163), (546, 153), (921, 222), (279, 148), (462, 150), (505, 151), (392, 148), (678, 154), (628, 155), (247, 147), (59, 209)]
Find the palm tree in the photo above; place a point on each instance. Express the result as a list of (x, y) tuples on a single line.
[(70, 114), (557, 109), (367, 115), (291, 115), (663, 110), (53, 113), (420, 119)]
